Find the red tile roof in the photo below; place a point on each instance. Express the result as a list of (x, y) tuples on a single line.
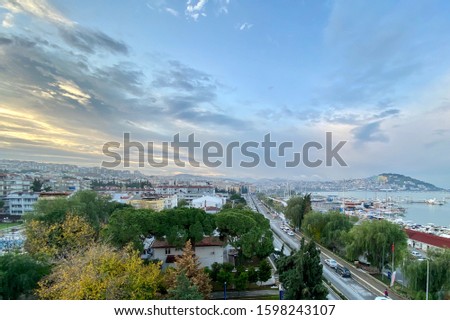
[(427, 238)]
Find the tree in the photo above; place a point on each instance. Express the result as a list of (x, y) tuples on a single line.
[(36, 185), (20, 274), (101, 272), (301, 274), (247, 231), (182, 203), (183, 224), (188, 265), (374, 240), (329, 229), (131, 225), (58, 239), (439, 275), (297, 208), (94, 208), (264, 271), (184, 290)]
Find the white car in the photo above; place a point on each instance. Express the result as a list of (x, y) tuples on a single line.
[(416, 254), (290, 233), (331, 263)]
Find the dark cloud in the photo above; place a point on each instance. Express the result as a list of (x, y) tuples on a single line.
[(89, 41), (370, 132), (5, 41), (177, 76)]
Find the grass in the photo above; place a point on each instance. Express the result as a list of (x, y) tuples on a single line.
[(398, 288), (9, 225)]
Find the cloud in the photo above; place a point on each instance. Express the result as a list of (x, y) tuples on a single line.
[(89, 40), (370, 132), (245, 26), (223, 6), (8, 20), (38, 8), (173, 12), (195, 9)]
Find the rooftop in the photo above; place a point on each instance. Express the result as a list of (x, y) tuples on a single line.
[(427, 238)]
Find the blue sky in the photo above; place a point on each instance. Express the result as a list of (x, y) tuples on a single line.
[(77, 74)]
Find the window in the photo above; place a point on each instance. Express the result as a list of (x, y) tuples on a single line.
[(167, 250)]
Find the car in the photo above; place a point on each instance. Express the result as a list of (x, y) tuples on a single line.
[(290, 233), (416, 254), (331, 263), (343, 271)]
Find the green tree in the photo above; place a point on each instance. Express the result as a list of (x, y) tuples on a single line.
[(94, 208), (374, 239), (131, 225), (101, 272), (264, 271), (182, 203), (247, 231), (241, 281), (20, 274), (184, 290), (301, 274), (329, 229), (36, 185), (439, 280), (297, 208), (183, 224)]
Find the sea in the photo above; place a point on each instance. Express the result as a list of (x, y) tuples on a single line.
[(420, 213)]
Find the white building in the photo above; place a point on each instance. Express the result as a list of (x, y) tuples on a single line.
[(208, 251), (187, 193), (18, 203), (13, 183), (210, 204)]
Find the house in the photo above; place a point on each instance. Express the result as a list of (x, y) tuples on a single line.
[(208, 251), (425, 241)]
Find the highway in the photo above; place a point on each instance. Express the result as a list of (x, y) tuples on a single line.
[(354, 288)]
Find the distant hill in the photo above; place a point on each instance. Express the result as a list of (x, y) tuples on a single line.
[(403, 183)]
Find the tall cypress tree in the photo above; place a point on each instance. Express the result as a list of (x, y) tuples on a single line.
[(301, 274)]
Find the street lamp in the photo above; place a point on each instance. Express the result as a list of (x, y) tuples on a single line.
[(225, 290)]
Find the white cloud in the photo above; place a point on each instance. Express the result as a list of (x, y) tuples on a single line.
[(37, 8), (70, 90), (223, 6), (172, 11), (196, 10), (8, 21), (245, 26)]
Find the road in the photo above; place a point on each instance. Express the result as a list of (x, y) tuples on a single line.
[(360, 287)]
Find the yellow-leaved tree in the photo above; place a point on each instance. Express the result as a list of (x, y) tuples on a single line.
[(187, 265), (60, 238), (101, 272)]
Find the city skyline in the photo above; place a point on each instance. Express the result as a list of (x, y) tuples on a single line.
[(77, 75)]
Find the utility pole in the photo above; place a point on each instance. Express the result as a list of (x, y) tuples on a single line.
[(428, 278)]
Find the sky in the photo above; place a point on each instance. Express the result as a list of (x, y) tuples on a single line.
[(78, 75)]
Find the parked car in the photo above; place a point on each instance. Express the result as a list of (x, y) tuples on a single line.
[(343, 271), (416, 254), (331, 263)]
